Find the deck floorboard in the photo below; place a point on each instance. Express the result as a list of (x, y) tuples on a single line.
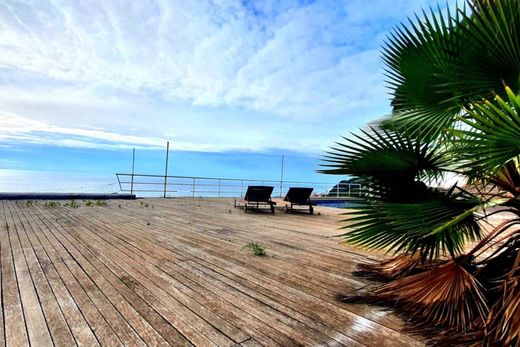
[(161, 272)]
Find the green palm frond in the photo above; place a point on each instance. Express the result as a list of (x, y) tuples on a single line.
[(492, 137), (444, 62), (420, 60), (382, 157), (490, 51), (451, 113), (441, 223), (412, 121)]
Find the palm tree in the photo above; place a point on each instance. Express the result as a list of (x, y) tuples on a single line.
[(455, 82)]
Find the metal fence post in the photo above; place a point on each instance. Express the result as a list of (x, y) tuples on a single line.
[(166, 168), (133, 167), (193, 187), (281, 178)]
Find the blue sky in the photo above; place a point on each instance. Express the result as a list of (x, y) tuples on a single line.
[(85, 80)]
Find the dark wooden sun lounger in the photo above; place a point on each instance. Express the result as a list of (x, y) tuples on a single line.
[(257, 197), (298, 196)]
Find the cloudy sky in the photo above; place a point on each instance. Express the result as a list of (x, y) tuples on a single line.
[(220, 75)]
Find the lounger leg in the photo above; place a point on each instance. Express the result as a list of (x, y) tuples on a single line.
[(311, 209)]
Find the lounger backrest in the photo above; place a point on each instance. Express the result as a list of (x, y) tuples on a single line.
[(258, 193), (298, 195)]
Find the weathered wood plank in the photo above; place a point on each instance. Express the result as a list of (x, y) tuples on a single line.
[(81, 331), (2, 329), (391, 338), (194, 236), (232, 258), (120, 326), (61, 334), (174, 273), (151, 320), (63, 261), (14, 320), (132, 274), (250, 343), (165, 282), (195, 278), (308, 304)]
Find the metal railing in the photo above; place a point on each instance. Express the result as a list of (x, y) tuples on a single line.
[(190, 186)]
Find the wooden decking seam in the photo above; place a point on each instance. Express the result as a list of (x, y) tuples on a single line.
[(174, 274)]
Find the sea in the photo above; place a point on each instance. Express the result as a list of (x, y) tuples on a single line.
[(52, 181), (29, 168)]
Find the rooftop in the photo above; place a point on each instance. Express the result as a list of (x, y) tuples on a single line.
[(174, 271)]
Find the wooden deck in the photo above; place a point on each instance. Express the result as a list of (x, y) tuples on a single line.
[(173, 272)]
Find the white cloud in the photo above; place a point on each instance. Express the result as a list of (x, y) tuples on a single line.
[(131, 68), (16, 128)]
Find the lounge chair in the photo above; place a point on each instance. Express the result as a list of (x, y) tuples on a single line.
[(298, 196), (257, 197)]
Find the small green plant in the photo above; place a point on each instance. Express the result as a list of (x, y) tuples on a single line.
[(88, 203), (29, 203), (101, 203), (144, 204), (51, 204), (256, 248), (72, 204)]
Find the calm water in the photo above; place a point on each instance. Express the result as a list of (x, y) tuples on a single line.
[(337, 204), (44, 181)]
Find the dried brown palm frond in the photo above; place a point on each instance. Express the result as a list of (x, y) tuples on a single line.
[(494, 268), (447, 296), (503, 323), (508, 178), (391, 269), (450, 338)]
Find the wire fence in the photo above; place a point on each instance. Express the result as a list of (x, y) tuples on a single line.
[(190, 186)]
